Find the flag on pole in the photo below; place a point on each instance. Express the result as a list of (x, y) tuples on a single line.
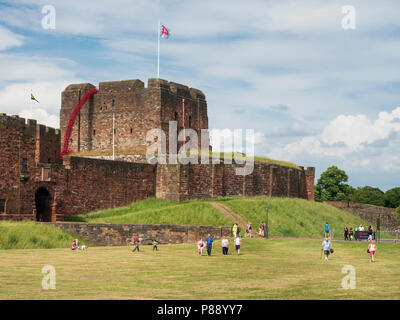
[(33, 98), (164, 32)]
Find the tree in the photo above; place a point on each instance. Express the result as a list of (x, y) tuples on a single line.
[(392, 198), (331, 186), (398, 213), (368, 195)]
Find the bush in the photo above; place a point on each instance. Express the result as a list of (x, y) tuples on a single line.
[(392, 198)]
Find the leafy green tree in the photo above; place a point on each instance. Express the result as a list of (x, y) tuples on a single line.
[(398, 213), (392, 198), (368, 195), (332, 186)]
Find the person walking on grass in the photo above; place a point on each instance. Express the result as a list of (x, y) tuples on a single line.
[(200, 246), (209, 241), (326, 247), (224, 245), (356, 233), (155, 243), (370, 231), (351, 234), (234, 230), (237, 244), (326, 229), (136, 242), (346, 233), (371, 250)]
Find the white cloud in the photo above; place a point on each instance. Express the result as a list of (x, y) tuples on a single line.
[(41, 116), (354, 131), (9, 39)]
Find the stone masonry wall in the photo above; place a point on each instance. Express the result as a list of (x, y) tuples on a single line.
[(23, 145), (137, 110), (91, 184), (199, 181), (101, 234), (370, 213)]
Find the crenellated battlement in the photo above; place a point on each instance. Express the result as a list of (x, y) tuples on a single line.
[(29, 125), (43, 141)]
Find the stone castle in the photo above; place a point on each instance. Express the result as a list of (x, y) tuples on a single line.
[(36, 184)]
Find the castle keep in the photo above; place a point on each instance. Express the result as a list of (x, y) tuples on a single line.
[(36, 184)]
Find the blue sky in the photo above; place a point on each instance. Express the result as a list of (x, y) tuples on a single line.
[(314, 93)]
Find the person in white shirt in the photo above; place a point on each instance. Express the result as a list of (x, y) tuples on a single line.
[(237, 244), (224, 245), (326, 246), (200, 246), (371, 250)]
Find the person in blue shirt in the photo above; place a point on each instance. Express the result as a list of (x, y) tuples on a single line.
[(326, 229), (326, 246), (209, 241)]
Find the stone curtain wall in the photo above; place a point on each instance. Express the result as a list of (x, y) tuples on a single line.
[(91, 184), (199, 181), (370, 213), (102, 234)]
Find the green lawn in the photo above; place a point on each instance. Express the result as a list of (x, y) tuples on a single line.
[(288, 217), (31, 235), (293, 217), (155, 211), (266, 269)]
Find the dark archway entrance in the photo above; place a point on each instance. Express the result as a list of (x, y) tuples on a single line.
[(43, 205)]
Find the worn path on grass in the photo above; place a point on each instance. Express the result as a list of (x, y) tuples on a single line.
[(229, 213)]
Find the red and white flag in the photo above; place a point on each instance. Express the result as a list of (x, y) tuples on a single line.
[(164, 32)]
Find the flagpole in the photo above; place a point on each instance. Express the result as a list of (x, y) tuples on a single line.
[(113, 138), (158, 50), (31, 104)]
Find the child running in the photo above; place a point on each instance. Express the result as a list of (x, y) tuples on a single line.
[(371, 250)]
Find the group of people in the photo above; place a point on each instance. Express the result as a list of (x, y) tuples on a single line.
[(224, 244), (136, 243), (75, 246), (249, 230), (350, 234), (328, 249)]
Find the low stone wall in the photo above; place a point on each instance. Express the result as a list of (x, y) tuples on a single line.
[(370, 213), (104, 234)]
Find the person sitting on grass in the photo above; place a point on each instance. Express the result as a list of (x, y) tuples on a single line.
[(74, 245)]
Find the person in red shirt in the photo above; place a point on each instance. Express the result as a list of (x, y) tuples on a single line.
[(136, 242), (74, 245)]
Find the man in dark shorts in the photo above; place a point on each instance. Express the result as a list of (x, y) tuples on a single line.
[(326, 246)]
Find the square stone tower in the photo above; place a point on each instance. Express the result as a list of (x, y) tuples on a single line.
[(136, 110)]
